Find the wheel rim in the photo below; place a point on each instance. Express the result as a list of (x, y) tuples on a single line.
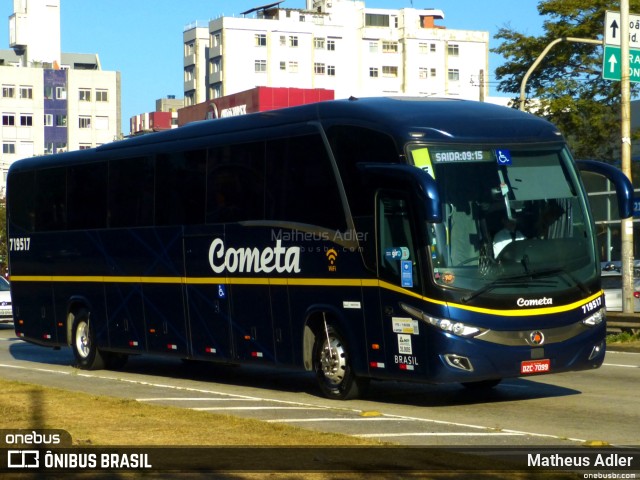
[(83, 344), (333, 361)]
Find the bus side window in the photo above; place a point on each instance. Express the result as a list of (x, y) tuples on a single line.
[(130, 192), (51, 201), (22, 208), (302, 184), (235, 183), (180, 188), (395, 235), (87, 196)]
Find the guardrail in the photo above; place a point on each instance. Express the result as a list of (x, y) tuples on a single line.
[(618, 321)]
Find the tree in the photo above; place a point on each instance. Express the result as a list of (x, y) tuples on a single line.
[(568, 83)]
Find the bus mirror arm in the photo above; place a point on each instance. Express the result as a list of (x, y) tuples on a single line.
[(407, 178), (624, 188)]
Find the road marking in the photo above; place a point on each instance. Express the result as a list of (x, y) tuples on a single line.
[(339, 419), (191, 399), (291, 404), (436, 434), (210, 409), (620, 365)]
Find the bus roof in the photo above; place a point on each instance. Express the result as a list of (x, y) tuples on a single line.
[(405, 118), (445, 119)]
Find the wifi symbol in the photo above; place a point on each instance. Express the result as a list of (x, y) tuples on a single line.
[(331, 256)]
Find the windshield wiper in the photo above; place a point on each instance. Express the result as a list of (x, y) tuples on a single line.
[(531, 275), (505, 282)]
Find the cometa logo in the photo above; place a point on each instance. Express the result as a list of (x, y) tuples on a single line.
[(332, 255), (534, 302), (253, 260)]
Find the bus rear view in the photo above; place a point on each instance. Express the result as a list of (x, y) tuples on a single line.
[(404, 239)]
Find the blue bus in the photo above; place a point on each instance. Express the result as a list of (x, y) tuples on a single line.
[(387, 238)]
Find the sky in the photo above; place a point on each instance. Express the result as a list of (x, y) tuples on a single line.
[(142, 39)]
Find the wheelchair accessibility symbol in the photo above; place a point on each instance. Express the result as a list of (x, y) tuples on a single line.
[(504, 157)]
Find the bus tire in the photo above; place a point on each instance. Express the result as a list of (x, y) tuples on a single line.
[(85, 350), (332, 366)]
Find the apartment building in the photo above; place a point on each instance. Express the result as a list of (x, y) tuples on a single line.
[(51, 101), (338, 45)]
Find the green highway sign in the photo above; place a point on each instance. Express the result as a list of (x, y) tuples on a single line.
[(611, 63)]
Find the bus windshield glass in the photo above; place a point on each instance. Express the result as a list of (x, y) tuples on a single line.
[(511, 216)]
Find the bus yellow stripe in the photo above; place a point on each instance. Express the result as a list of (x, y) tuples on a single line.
[(308, 282)]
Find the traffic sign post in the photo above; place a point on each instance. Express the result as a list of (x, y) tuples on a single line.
[(613, 27), (611, 66)]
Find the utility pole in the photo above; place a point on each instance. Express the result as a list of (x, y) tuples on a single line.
[(626, 233)]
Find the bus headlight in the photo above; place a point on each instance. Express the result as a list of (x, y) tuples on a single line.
[(457, 328), (595, 319)]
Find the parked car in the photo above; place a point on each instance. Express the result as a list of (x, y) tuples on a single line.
[(6, 312), (612, 285)]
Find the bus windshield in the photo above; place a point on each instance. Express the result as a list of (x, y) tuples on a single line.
[(511, 216)]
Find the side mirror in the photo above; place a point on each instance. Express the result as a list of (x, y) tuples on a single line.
[(407, 178), (623, 186)]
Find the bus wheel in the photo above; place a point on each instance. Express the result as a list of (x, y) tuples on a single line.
[(482, 385), (332, 365), (84, 346)]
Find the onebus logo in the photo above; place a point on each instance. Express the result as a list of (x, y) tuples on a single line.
[(253, 260)]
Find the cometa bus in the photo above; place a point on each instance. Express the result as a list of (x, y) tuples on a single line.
[(387, 238)]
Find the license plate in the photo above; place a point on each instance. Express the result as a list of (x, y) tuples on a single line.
[(529, 367)]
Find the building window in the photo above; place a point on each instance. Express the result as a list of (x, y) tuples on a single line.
[(48, 148), (331, 45), (9, 148), (293, 67), (376, 20), (48, 120), (373, 72), (8, 91), (101, 123), (318, 68), (189, 48), (389, 71), (26, 120), (423, 48), (293, 40), (318, 43), (61, 120), (216, 39), (26, 92), (283, 41), (432, 72), (48, 93), (61, 93), (261, 40), (453, 50), (84, 95), (453, 74), (102, 95), (61, 147), (423, 72), (389, 47), (432, 47), (8, 120), (260, 66), (331, 70), (283, 66), (84, 146), (373, 47), (84, 122)]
